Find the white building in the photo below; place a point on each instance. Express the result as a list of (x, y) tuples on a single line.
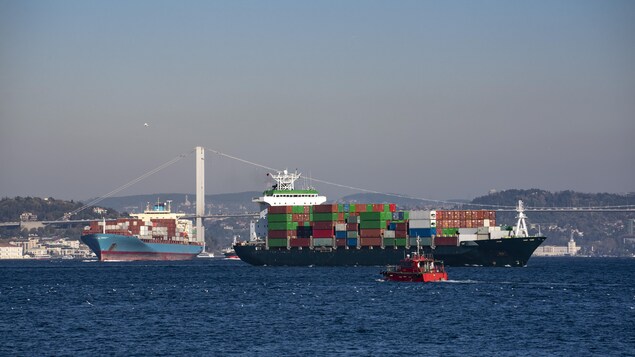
[(10, 251), (557, 251)]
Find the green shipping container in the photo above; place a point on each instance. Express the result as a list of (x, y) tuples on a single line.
[(352, 234), (277, 242), (282, 226), (322, 242), (424, 242), (279, 217), (389, 242), (400, 242), (375, 216), (297, 209), (321, 217), (372, 224), (450, 232)]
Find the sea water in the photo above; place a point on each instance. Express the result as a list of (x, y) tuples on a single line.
[(552, 307)]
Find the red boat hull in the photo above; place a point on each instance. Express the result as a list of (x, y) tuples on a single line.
[(416, 277)]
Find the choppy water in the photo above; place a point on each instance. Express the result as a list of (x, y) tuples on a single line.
[(554, 306)]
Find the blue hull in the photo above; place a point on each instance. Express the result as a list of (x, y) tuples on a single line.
[(114, 247)]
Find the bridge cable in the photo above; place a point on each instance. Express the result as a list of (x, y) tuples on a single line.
[(124, 186), (357, 188), (493, 206)]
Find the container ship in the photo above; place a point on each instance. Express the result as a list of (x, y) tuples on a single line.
[(296, 228), (155, 234)]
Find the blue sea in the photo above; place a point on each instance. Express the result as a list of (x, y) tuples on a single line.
[(552, 307)]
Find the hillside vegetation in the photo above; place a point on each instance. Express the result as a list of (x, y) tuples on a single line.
[(598, 233)]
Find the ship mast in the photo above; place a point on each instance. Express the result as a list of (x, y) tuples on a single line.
[(521, 226)]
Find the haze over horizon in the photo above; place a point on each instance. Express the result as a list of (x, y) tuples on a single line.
[(439, 100)]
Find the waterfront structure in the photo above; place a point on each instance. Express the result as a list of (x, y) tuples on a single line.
[(10, 251), (571, 249)]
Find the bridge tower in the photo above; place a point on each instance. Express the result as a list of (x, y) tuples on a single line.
[(200, 194)]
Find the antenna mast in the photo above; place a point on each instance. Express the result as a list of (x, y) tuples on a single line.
[(285, 180), (521, 226)]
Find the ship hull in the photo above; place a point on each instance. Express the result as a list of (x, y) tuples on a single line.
[(513, 252), (114, 247)]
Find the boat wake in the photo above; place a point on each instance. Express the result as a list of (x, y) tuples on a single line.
[(463, 281)]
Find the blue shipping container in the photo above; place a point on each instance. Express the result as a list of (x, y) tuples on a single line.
[(351, 242), (421, 232), (340, 234)]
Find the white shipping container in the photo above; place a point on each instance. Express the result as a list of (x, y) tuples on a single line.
[(499, 234), (420, 223), (340, 227), (463, 231), (423, 215), (468, 237), (389, 234), (482, 230), (482, 236)]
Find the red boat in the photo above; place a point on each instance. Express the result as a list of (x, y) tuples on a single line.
[(419, 268)]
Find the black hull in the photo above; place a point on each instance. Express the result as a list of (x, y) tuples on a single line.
[(494, 252)]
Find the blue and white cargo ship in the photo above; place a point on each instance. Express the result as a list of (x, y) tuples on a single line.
[(155, 234)]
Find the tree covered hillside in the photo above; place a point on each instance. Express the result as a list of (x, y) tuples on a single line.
[(601, 232), (46, 209)]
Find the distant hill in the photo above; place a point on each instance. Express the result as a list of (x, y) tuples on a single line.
[(226, 202), (403, 203), (44, 209), (597, 232)]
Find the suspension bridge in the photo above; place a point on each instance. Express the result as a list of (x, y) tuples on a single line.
[(200, 194)]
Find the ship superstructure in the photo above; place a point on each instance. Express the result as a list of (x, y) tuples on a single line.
[(283, 193)]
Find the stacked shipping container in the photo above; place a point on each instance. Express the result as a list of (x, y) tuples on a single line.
[(371, 225)]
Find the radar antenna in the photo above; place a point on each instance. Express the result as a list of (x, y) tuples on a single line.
[(285, 180), (521, 226)]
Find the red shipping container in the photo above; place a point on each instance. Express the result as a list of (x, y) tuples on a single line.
[(401, 227), (371, 233), (340, 242), (360, 208), (366, 242), (446, 240), (324, 225), (299, 242), (280, 209), (378, 207), (282, 234), (322, 233), (401, 234), (393, 207), (325, 208), (352, 227)]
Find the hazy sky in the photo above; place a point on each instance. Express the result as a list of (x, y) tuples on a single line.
[(434, 99)]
